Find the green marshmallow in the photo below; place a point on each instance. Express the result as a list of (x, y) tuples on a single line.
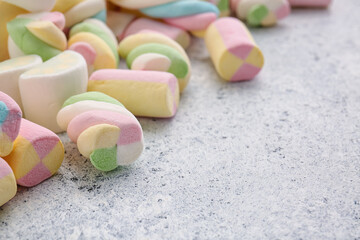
[(95, 96), (87, 27), (27, 42), (256, 14), (178, 66), (104, 159)]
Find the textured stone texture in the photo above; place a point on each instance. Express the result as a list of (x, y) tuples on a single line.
[(273, 158)]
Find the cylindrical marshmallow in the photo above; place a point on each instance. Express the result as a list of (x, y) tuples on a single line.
[(233, 51), (8, 185), (99, 39), (162, 58), (42, 37), (144, 24), (10, 118), (44, 88), (118, 22), (33, 5), (76, 11), (261, 12), (144, 93), (10, 71), (190, 15), (37, 155), (104, 130)]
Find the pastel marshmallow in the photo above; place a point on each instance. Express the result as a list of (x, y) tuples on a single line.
[(101, 39), (10, 71), (138, 44), (195, 22), (138, 4), (8, 185), (33, 5), (233, 51), (143, 93), (76, 11), (28, 36), (223, 6), (180, 9), (38, 154), (118, 22), (7, 12), (57, 18), (175, 33), (261, 12), (10, 119), (310, 3), (44, 88), (104, 130)]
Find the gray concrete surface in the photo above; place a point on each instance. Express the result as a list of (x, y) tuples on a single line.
[(273, 158)]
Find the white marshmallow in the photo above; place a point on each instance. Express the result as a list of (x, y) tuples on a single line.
[(45, 88), (10, 71)]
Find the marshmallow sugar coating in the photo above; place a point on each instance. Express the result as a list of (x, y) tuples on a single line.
[(261, 12), (8, 185), (99, 39), (38, 153), (44, 88), (145, 24), (104, 130), (29, 36), (232, 49), (33, 5), (155, 51), (10, 119), (190, 15), (76, 11), (138, 4), (10, 71), (143, 93)]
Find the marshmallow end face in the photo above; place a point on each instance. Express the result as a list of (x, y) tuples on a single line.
[(10, 119), (38, 153), (104, 159), (97, 137), (8, 185)]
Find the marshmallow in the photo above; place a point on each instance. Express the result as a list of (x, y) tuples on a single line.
[(104, 130), (33, 5), (41, 37), (189, 15), (223, 6), (99, 39), (37, 155), (309, 3), (44, 88), (261, 12), (10, 118), (169, 55), (76, 11), (10, 71), (232, 49), (137, 4), (143, 93), (7, 13), (118, 22), (8, 185), (144, 24)]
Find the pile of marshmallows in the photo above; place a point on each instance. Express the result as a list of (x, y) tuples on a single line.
[(59, 69)]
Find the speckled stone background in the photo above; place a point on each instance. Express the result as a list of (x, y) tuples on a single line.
[(277, 157)]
